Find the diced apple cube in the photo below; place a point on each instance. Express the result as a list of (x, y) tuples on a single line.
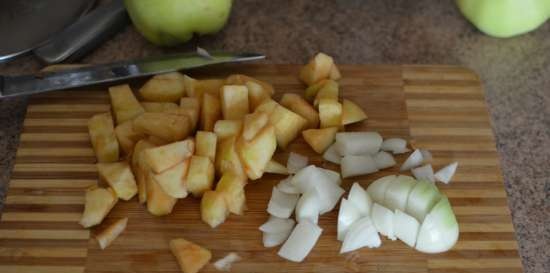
[(317, 69), (214, 209), (127, 136), (311, 91), (103, 137), (352, 113), (172, 180), (330, 113), (120, 177), (166, 87), (108, 235), (253, 123), (234, 100), (125, 105), (98, 203), (275, 167), (267, 106), (158, 202), (191, 257), (330, 90), (334, 73), (140, 168), (211, 112), (226, 128), (298, 105), (200, 176), (159, 107), (206, 144), (287, 125), (164, 125), (320, 139), (164, 157), (256, 153), (227, 158), (256, 95), (231, 186), (239, 79)]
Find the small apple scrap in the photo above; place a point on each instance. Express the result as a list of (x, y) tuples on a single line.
[(190, 256)]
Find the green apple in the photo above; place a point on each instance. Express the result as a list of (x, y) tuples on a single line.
[(505, 18), (170, 22)]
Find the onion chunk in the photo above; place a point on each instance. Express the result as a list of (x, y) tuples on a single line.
[(358, 143), (281, 204), (347, 215), (377, 189), (439, 231), (296, 162), (446, 173), (397, 193), (277, 225), (414, 160), (300, 242), (332, 155), (425, 172), (383, 220), (384, 160), (224, 264), (308, 207), (395, 145), (360, 198), (355, 165), (361, 234), (405, 227)]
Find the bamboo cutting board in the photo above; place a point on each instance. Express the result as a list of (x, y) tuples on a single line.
[(440, 108)]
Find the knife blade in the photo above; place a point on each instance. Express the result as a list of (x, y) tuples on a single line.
[(42, 82)]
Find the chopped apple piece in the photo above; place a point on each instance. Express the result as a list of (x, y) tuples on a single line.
[(298, 105), (330, 90), (99, 201), (317, 69), (231, 186), (211, 111), (108, 235), (164, 157), (103, 137), (200, 176), (253, 123), (158, 202), (141, 169), (214, 209), (191, 257), (287, 125), (267, 106), (239, 79), (256, 95), (127, 136), (320, 139), (275, 167), (227, 158), (226, 128), (157, 140), (158, 107), (192, 108), (206, 144), (197, 88), (351, 112), (120, 177), (330, 113), (166, 87), (164, 125), (172, 180), (125, 105), (234, 99), (311, 91), (256, 153), (334, 73)]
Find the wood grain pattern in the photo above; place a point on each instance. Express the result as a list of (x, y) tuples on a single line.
[(440, 108)]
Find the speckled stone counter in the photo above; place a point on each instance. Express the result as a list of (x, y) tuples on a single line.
[(515, 72)]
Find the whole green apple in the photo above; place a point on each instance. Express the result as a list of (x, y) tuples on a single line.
[(170, 22), (505, 18)]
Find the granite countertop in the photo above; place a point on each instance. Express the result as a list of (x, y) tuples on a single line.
[(515, 72)]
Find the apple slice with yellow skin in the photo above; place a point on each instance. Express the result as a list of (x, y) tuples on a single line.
[(166, 87), (227, 158), (109, 234), (158, 202), (211, 111), (240, 79), (317, 69), (120, 177), (163, 157), (214, 209), (334, 73), (98, 203), (287, 125), (256, 94), (320, 139), (311, 91), (225, 128), (256, 153), (206, 144), (352, 113), (298, 105), (127, 136), (231, 186), (234, 100), (330, 113), (191, 257), (103, 137), (140, 168), (172, 180), (159, 107), (330, 90), (253, 123), (267, 106), (124, 103), (167, 126), (275, 167), (200, 176)]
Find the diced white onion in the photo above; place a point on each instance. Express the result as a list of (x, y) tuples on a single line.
[(308, 207), (302, 239), (277, 225), (405, 227), (383, 220), (296, 162), (355, 165), (395, 145), (281, 204), (332, 155), (224, 264), (446, 173), (333, 176), (315, 179), (377, 189), (347, 215), (358, 143), (384, 160), (414, 160), (286, 186), (360, 198), (426, 156), (398, 191), (425, 172), (422, 198), (439, 231), (274, 239), (361, 234)]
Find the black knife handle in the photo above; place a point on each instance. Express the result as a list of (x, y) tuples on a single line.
[(85, 34)]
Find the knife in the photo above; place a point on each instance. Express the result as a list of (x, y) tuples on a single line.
[(42, 82)]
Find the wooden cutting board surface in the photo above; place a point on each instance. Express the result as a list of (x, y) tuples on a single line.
[(440, 108)]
